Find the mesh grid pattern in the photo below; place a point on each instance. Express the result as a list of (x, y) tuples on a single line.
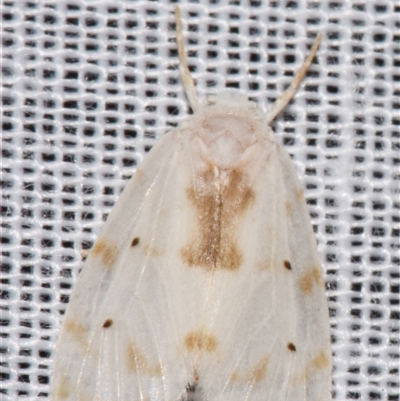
[(88, 87)]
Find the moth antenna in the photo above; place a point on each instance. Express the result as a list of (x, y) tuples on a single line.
[(284, 99), (187, 80)]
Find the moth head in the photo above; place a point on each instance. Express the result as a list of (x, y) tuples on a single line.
[(228, 126)]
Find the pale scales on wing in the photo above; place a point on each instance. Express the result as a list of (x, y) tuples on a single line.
[(205, 284)]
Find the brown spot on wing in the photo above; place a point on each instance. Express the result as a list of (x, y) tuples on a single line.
[(77, 331), (199, 341), (309, 279), (259, 371), (139, 173), (104, 249), (255, 374), (135, 241), (107, 323), (292, 347), (299, 193), (263, 265), (320, 361), (152, 251), (287, 264), (138, 363), (291, 207), (220, 198), (298, 379), (62, 389), (288, 207)]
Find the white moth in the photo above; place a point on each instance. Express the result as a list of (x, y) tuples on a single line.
[(205, 283)]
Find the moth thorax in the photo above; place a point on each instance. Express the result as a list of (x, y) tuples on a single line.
[(227, 137)]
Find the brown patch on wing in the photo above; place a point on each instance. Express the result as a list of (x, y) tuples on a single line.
[(138, 172), (299, 378), (310, 279), (77, 331), (288, 207), (287, 265), (299, 193), (199, 341), (61, 390), (219, 200), (152, 252), (263, 266), (320, 361), (106, 251), (259, 371), (255, 374), (138, 363)]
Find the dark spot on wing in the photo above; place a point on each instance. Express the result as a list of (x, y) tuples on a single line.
[(108, 323), (135, 241), (287, 264), (292, 347)]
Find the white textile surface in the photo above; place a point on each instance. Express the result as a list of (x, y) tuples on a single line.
[(88, 87)]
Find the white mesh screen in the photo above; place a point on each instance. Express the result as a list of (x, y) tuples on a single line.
[(87, 88)]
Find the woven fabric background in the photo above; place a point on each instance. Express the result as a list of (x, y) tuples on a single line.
[(89, 86)]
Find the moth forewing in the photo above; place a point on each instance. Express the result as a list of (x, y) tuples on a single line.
[(205, 282)]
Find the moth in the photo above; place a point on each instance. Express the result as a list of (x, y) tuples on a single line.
[(204, 284)]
